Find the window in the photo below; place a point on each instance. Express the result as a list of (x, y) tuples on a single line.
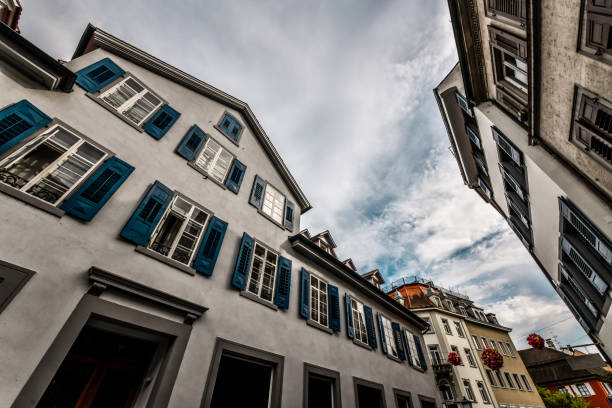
[(427, 402), (434, 353), (50, 166), (171, 228), (446, 326), (483, 392), (387, 332), (12, 279), (180, 230), (455, 349), (368, 394), (318, 300), (446, 391), (510, 349), (402, 399), (515, 10), (468, 390), (263, 272), (485, 342), (322, 387), (459, 329), (509, 380), (258, 372), (272, 203), (430, 329), (503, 348), (476, 342), (361, 332), (493, 344), (98, 75), (607, 388), (462, 310), (510, 71), (470, 357), (415, 350), (449, 305), (517, 381), (563, 389), (595, 37), (526, 382), (592, 127), (230, 127), (214, 160), (491, 377), (19, 121), (500, 379), (131, 99), (583, 390), (436, 301)]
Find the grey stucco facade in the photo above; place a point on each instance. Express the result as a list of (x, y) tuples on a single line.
[(60, 250)]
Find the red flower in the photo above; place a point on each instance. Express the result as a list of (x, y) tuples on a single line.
[(492, 359), (454, 358), (536, 341)]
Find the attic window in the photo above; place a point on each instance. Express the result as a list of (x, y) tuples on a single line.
[(230, 127), (436, 301), (450, 306)]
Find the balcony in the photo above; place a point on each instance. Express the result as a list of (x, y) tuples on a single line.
[(443, 371)]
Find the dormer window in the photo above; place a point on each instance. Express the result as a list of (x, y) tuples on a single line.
[(449, 305), (230, 127), (324, 246), (436, 301), (462, 310)]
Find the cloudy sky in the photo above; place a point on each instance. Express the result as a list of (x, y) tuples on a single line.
[(344, 90)]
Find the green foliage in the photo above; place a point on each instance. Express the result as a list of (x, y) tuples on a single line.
[(561, 399)]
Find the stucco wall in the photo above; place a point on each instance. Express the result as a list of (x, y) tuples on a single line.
[(61, 250)]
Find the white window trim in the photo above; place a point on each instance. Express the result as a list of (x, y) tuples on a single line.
[(357, 308), (470, 357), (389, 338), (607, 388), (468, 389), (282, 207), (485, 342), (446, 326), (38, 139), (526, 383), (184, 225), (510, 349), (99, 97), (259, 281), (459, 329), (416, 361), (477, 343), (517, 382), (209, 173), (435, 348), (312, 291), (491, 375), (508, 378), (483, 392)]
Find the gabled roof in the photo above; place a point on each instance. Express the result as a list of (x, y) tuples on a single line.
[(34, 62), (326, 235), (94, 38), (374, 273), (349, 262)]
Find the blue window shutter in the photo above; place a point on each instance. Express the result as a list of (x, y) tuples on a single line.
[(98, 75), (243, 262), (231, 127), (305, 294), (350, 328), (334, 307), (397, 337), (283, 283), (370, 328), (98, 189), (381, 331), (19, 121), (407, 346), (236, 174), (206, 258), (257, 193), (289, 214), (417, 342), (191, 143), (141, 224), (161, 122)]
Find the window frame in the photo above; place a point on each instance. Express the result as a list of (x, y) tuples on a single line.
[(435, 349), (459, 329), (500, 379), (510, 349), (468, 389), (508, 378), (583, 29), (370, 384), (167, 211), (389, 338), (485, 342), (469, 357), (431, 329), (606, 387), (206, 173), (97, 97), (218, 127), (493, 12), (263, 199), (16, 284), (403, 394), (446, 326), (583, 391), (310, 319), (32, 141), (477, 343), (334, 376), (361, 312), (246, 292), (486, 399), (517, 382), (492, 378), (455, 349), (526, 382), (249, 353)]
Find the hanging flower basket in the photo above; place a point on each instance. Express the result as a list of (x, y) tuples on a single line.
[(492, 359), (536, 341), (454, 358)]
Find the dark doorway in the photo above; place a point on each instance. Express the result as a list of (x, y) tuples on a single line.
[(102, 369), (241, 383), (320, 392), (368, 397)]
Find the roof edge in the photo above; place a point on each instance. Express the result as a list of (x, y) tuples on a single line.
[(98, 38)]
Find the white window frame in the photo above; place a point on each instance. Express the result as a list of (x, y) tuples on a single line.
[(447, 327), (389, 338), (449, 305), (436, 300), (502, 347), (213, 166), (517, 381), (186, 216), (526, 382), (321, 305), (510, 349), (131, 101), (508, 378), (483, 392), (260, 276), (271, 198), (450, 391), (493, 344), (416, 361), (585, 393), (70, 152), (459, 329), (500, 378), (476, 341), (607, 387), (462, 310), (491, 377), (485, 342), (359, 325), (563, 388), (468, 389), (470, 357), (431, 329), (434, 349)]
